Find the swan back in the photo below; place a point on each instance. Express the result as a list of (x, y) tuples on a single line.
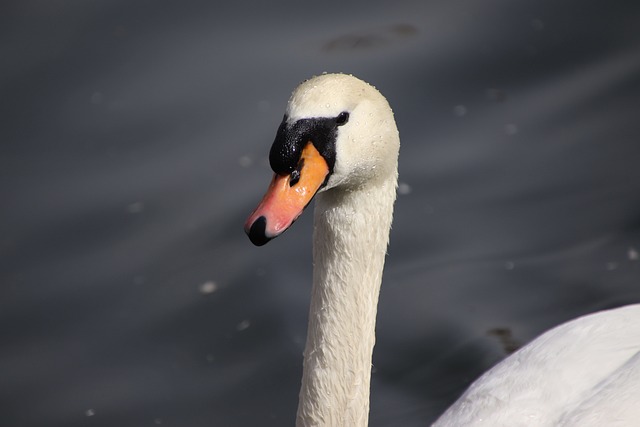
[(585, 372)]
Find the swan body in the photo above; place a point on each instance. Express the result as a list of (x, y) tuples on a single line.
[(339, 143), (583, 373)]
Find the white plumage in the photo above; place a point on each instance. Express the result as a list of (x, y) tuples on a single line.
[(585, 373)]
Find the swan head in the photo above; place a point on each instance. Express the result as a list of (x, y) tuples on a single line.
[(338, 134)]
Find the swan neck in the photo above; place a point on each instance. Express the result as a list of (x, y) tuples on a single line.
[(351, 233)]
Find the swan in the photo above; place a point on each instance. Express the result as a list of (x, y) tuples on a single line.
[(338, 144)]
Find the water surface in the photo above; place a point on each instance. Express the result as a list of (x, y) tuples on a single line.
[(133, 145)]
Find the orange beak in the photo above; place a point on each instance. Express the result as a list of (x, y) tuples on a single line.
[(286, 197)]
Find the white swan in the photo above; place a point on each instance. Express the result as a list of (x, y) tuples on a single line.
[(339, 142)]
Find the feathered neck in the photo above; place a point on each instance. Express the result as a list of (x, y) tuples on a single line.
[(351, 233)]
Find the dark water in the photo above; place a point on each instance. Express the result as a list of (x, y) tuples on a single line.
[(133, 145)]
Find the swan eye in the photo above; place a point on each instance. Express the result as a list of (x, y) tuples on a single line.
[(342, 118)]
